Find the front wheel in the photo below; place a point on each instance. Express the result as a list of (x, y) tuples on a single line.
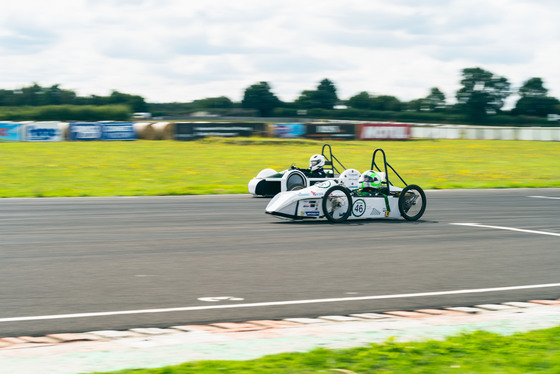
[(337, 204), (412, 202)]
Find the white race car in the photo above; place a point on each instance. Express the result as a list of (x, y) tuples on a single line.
[(269, 182), (340, 199)]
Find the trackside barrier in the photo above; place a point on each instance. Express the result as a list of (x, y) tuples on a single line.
[(288, 130), (485, 132), (44, 131), (539, 133), (90, 131), (197, 130), (52, 131), (442, 132), (85, 131), (330, 131), (384, 131), (10, 131), (117, 131)]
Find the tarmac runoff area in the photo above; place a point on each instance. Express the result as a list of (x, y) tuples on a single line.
[(71, 353)]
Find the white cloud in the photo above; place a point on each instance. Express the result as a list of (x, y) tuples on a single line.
[(173, 50)]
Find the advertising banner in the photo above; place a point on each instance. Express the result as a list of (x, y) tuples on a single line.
[(385, 131), (117, 131), (42, 132), (334, 131), (10, 131), (197, 130), (289, 130), (85, 131)]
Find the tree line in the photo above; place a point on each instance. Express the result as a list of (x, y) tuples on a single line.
[(35, 95), (483, 94), (480, 99)]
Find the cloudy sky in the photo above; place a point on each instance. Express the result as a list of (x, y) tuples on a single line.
[(183, 50)]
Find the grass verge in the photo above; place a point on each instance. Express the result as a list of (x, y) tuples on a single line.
[(215, 166), (476, 352)]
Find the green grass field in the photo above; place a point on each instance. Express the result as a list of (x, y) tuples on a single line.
[(216, 166), (476, 352)]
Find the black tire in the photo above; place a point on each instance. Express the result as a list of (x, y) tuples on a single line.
[(339, 199), (296, 181), (412, 202)]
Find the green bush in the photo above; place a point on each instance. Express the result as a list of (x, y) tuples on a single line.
[(66, 113), (469, 352)]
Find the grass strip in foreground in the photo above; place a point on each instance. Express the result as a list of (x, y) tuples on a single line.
[(475, 352)]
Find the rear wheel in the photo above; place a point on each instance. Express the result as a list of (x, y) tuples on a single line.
[(412, 202), (337, 204)]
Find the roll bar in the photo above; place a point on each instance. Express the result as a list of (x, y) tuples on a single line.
[(330, 158), (374, 166)]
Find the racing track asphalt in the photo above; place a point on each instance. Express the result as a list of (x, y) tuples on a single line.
[(69, 256)]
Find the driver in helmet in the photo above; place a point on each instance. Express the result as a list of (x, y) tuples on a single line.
[(316, 163), (369, 183)]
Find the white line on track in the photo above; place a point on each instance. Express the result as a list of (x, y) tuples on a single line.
[(506, 228), (545, 197), (276, 303)]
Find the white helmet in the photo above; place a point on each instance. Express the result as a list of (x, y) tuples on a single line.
[(316, 162), (370, 179)]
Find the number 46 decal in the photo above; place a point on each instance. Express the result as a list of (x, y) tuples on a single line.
[(359, 208)]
